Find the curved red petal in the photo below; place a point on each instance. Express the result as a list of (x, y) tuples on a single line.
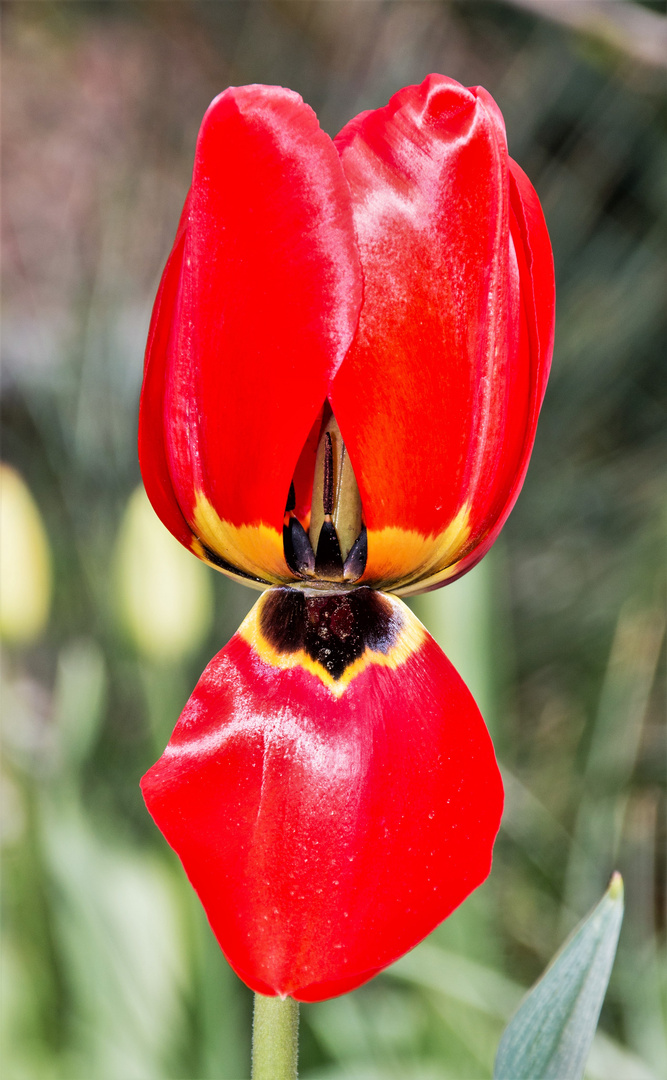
[(152, 448), (265, 309), (329, 813), (434, 396), (534, 262), (305, 471), (536, 269), (153, 456)]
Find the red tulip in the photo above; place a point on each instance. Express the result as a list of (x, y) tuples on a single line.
[(345, 366)]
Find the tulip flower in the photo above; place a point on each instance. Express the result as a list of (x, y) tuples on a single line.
[(346, 362)]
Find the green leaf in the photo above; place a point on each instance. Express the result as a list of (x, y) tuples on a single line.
[(550, 1035)]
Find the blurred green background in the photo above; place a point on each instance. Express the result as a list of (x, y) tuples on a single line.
[(109, 970)]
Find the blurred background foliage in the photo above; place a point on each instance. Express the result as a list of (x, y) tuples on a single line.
[(109, 970)]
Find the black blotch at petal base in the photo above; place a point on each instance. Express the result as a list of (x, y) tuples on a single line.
[(334, 629)]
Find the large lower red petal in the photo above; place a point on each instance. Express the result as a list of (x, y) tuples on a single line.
[(263, 311), (331, 790)]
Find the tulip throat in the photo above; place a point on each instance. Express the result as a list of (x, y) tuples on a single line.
[(333, 551)]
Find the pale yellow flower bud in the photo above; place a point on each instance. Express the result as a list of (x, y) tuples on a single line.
[(164, 595), (25, 562)]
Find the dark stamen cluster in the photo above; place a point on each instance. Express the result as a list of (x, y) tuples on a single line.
[(326, 563), (334, 630)]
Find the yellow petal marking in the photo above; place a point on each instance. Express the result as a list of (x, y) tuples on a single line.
[(410, 638), (255, 549), (399, 558)]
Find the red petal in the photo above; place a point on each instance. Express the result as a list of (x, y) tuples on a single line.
[(152, 448), (152, 434), (436, 395), (532, 247), (536, 270), (305, 471), (266, 306), (328, 822)]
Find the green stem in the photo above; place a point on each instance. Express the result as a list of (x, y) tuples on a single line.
[(275, 1038)]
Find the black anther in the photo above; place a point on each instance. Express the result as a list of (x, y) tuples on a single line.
[(298, 552), (328, 559), (355, 563), (327, 486)]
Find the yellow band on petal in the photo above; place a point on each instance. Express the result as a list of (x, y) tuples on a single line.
[(256, 550), (399, 558)]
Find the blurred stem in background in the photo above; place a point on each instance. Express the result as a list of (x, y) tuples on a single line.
[(468, 619)]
